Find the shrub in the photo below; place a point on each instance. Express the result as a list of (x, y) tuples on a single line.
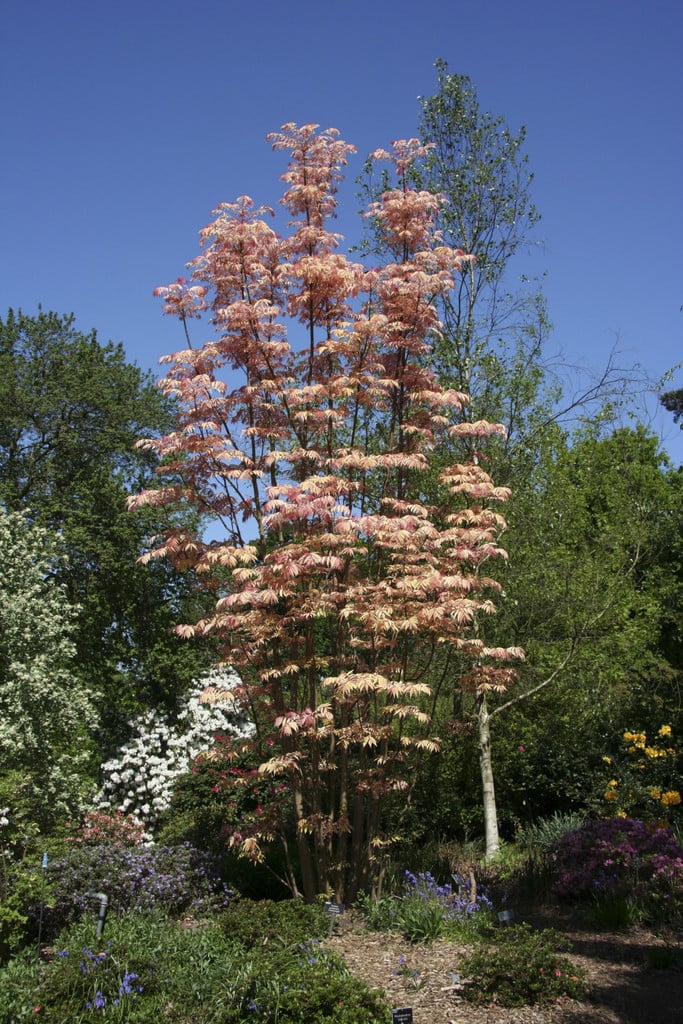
[(285, 924), (304, 986), (521, 968), (140, 779), (621, 857), (97, 828), (24, 890), (615, 913), (177, 880), (640, 781), (224, 797), (18, 988), (286, 976)]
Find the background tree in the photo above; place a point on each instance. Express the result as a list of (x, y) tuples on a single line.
[(45, 712), (71, 410), (673, 403), (493, 342), (592, 588), (343, 583)]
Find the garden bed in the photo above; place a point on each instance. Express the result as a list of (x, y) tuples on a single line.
[(623, 988)]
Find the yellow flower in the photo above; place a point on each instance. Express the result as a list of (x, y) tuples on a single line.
[(612, 782), (655, 794), (655, 752), (607, 760), (665, 731), (671, 798), (610, 794), (621, 814)]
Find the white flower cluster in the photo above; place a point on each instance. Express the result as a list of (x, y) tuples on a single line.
[(139, 780)]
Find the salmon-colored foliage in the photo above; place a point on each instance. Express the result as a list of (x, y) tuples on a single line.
[(307, 419)]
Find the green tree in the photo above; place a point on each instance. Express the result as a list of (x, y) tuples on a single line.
[(45, 712), (71, 410), (494, 341), (673, 403), (593, 587), (593, 590)]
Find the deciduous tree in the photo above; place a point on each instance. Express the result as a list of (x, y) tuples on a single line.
[(493, 342), (306, 426)]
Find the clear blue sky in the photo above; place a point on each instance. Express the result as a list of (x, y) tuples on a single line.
[(124, 125)]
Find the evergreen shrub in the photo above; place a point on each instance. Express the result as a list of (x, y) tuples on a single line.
[(520, 968)]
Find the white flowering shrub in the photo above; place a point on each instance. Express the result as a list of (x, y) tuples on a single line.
[(139, 780), (45, 710)]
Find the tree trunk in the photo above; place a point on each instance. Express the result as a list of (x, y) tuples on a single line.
[(487, 786)]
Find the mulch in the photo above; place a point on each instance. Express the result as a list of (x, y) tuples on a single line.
[(623, 985)]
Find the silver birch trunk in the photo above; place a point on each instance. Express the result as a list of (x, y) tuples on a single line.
[(487, 785)]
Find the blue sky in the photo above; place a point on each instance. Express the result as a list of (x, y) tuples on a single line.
[(125, 124)]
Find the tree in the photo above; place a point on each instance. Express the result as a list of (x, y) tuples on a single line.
[(673, 403), (71, 410), (495, 326), (594, 596), (45, 712), (338, 581)]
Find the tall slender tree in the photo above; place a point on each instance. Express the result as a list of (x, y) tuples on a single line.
[(306, 427), (494, 336)]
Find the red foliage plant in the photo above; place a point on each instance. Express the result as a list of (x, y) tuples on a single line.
[(305, 428)]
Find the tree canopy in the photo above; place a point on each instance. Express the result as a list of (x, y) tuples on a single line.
[(336, 601)]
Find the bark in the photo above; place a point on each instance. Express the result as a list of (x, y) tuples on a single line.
[(487, 784)]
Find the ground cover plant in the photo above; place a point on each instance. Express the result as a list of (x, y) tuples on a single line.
[(145, 968), (149, 967)]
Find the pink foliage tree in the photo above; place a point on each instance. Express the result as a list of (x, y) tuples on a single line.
[(305, 428)]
